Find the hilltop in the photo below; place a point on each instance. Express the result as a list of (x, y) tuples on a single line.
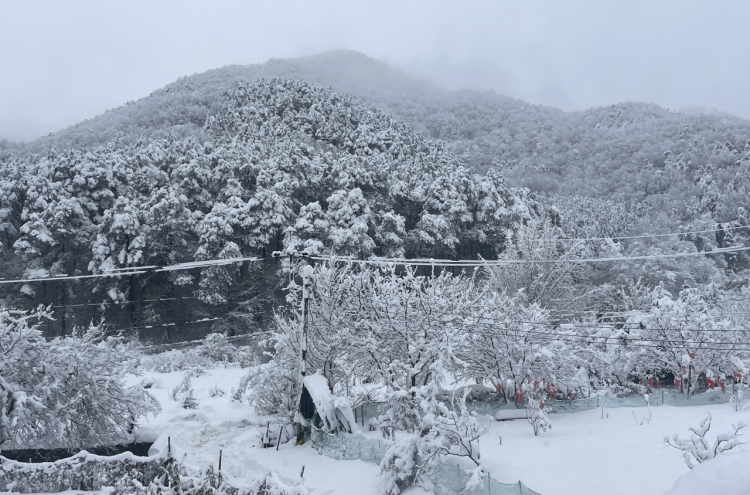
[(610, 151)]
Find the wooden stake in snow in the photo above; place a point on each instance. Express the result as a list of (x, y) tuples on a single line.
[(302, 473), (169, 446), (281, 428)]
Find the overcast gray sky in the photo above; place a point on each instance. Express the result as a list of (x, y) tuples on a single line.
[(64, 61)]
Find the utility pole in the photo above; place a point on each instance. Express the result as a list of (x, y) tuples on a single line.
[(300, 420), (290, 231), (307, 273)]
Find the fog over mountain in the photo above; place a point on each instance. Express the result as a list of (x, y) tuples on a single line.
[(68, 61)]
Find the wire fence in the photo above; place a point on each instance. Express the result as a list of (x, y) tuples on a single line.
[(366, 413), (658, 398), (450, 479), (446, 479)]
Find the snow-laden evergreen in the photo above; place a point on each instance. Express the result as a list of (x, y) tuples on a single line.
[(350, 179)]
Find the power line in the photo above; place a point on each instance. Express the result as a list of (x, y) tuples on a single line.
[(497, 327), (632, 343), (122, 302), (622, 340), (475, 263), (559, 316), (171, 324), (120, 272), (605, 325), (648, 236), (632, 312), (618, 339), (200, 341), (647, 329)]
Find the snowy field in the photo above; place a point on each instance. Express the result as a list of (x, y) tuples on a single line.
[(583, 453)]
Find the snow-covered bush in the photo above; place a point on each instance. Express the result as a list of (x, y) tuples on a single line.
[(399, 467), (183, 479), (151, 382), (176, 360), (189, 402), (401, 413), (273, 390), (534, 396), (217, 349), (439, 432), (216, 391), (239, 392), (692, 338), (126, 474), (66, 392), (123, 474), (182, 389), (697, 448)]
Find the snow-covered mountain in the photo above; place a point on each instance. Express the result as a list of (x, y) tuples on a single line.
[(362, 159), (615, 151)]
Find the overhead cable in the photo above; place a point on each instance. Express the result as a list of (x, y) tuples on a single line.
[(481, 263), (648, 236), (120, 272)]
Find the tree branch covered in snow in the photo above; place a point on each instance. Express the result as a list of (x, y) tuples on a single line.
[(698, 449)]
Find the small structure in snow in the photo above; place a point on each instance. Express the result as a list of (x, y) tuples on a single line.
[(510, 414), (334, 413)]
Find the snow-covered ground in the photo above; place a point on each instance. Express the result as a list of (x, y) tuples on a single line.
[(725, 475), (582, 454)]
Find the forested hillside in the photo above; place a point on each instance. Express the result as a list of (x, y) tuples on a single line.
[(626, 152), (219, 164), (348, 178)]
